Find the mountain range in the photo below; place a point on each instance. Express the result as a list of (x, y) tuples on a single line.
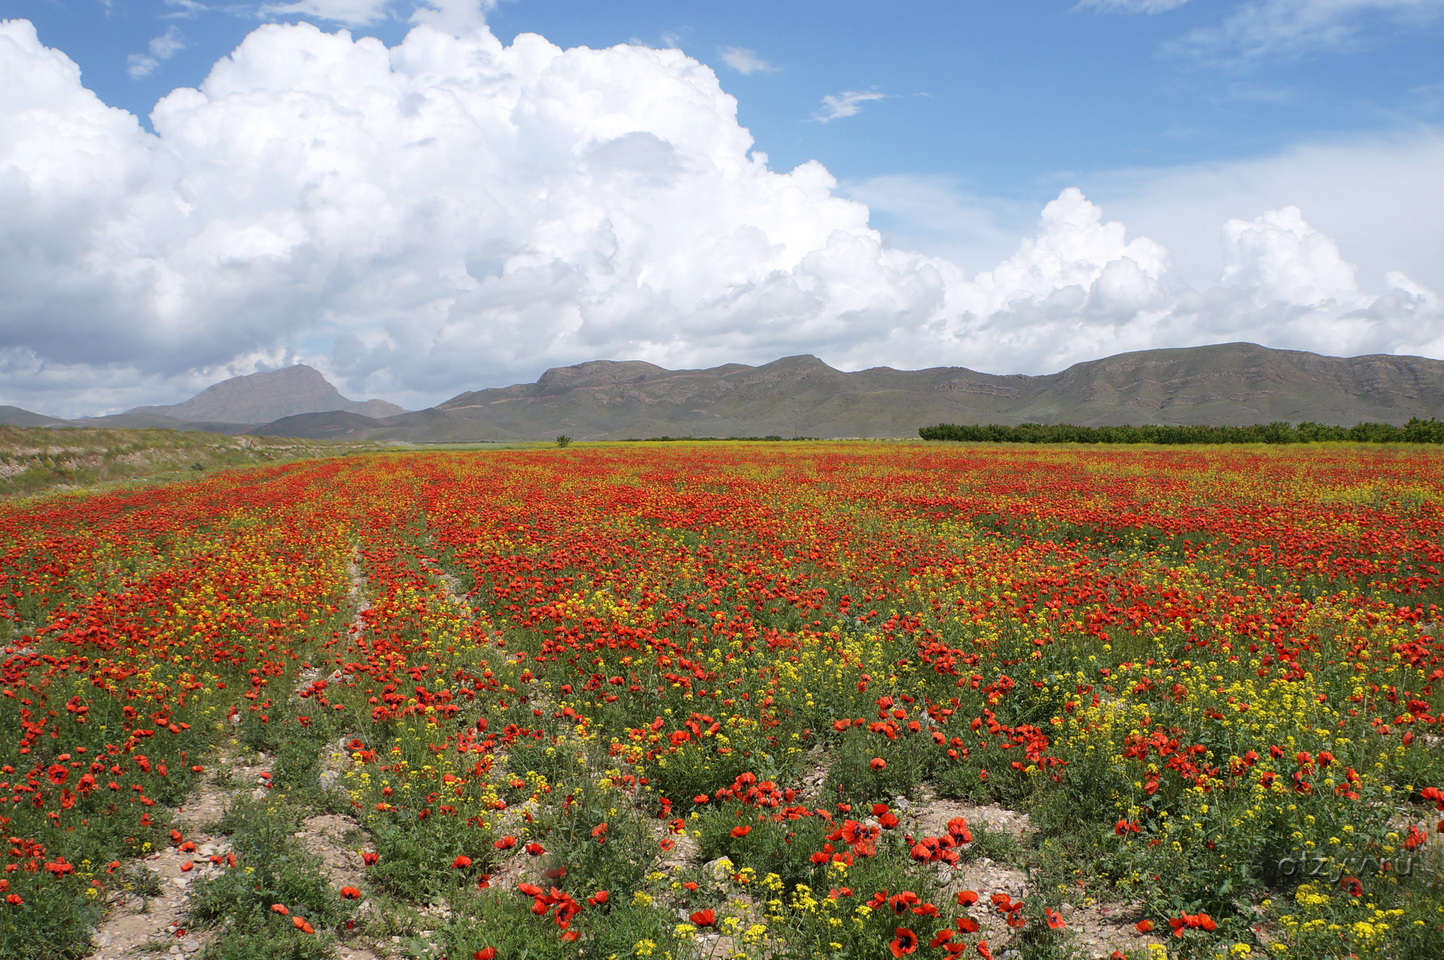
[(1225, 384)]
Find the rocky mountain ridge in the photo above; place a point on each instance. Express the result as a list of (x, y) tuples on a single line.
[(1233, 384), (1226, 384)]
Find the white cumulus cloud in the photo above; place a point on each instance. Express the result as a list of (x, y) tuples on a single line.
[(1382, 193), (1278, 258), (453, 212)]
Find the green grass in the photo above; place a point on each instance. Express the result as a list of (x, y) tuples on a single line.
[(37, 460)]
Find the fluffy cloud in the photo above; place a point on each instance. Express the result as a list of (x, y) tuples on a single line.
[(1079, 291), (1382, 193), (452, 212), (1278, 258)]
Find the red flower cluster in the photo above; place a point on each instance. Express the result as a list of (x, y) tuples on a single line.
[(559, 905), (1192, 921)]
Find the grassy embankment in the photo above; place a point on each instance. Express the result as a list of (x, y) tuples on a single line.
[(35, 459)]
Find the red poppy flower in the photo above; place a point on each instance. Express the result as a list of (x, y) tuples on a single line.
[(967, 925), (505, 843), (369, 858), (535, 849), (983, 950), (904, 943), (666, 843), (966, 898), (485, 953), (1055, 919), (281, 909), (598, 898), (704, 918), (878, 763), (902, 902), (350, 893), (14, 899), (741, 831), (1144, 926), (461, 862)]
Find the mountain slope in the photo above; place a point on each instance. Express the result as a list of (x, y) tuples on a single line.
[(264, 397), (1229, 384), (18, 417)]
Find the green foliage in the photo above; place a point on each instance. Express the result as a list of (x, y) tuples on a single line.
[(1415, 431), (856, 777), (52, 924), (416, 857), (601, 847), (37, 459), (257, 933), (272, 868), (505, 923)]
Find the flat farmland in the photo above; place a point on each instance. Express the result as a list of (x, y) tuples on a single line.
[(731, 699)]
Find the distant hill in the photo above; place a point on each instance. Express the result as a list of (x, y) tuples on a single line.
[(264, 397), (232, 406), (1224, 384), (16, 417)]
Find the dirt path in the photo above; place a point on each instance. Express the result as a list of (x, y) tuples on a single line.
[(1095, 929), (146, 917)]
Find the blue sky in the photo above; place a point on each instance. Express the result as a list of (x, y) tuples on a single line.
[(1010, 99), (1195, 126)]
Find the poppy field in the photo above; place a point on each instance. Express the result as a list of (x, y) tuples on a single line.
[(738, 700)]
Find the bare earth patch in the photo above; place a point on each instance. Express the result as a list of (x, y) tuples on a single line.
[(1096, 929), (141, 926), (326, 837)]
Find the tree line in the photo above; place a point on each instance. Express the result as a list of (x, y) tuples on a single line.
[(1415, 431)]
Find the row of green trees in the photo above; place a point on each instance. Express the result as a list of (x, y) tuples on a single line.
[(1415, 431)]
